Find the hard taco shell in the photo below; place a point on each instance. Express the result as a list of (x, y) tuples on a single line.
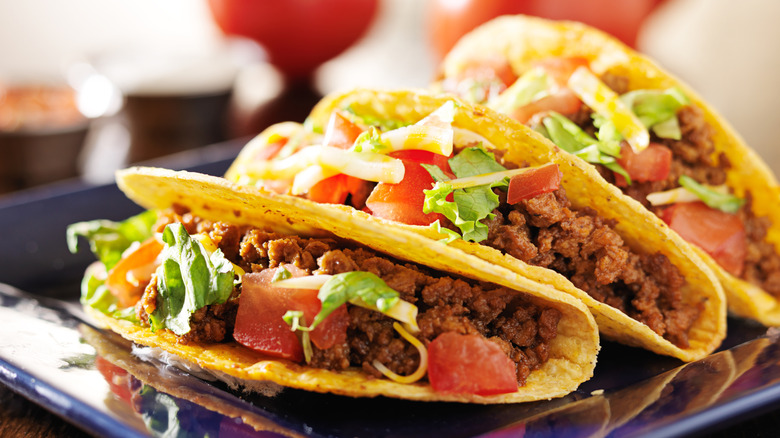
[(522, 40), (640, 229), (572, 353)]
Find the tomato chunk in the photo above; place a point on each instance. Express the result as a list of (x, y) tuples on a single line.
[(341, 132), (488, 77), (469, 364), (652, 164), (719, 234), (259, 324), (336, 189), (128, 278), (561, 68), (423, 157), (270, 150), (403, 202), (533, 183), (563, 101)]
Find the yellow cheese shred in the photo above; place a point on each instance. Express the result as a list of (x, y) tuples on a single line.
[(421, 369)]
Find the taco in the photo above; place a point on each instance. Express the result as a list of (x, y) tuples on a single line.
[(491, 187), (238, 286), (645, 131)]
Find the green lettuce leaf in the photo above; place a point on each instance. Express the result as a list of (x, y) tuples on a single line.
[(572, 139), (109, 239), (370, 141), (384, 124), (188, 279), (470, 205), (714, 199), (95, 294), (357, 287), (657, 109), (474, 161)]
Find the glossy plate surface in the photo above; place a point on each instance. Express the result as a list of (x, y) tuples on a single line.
[(50, 354)]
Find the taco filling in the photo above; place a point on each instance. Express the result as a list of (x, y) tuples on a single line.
[(652, 144), (322, 302), (432, 173)]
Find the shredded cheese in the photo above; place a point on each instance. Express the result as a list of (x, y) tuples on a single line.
[(597, 95), (680, 194), (308, 177), (306, 282), (368, 166), (485, 178), (422, 368)]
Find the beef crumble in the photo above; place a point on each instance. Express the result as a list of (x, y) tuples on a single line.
[(583, 247), (521, 328), (693, 156)]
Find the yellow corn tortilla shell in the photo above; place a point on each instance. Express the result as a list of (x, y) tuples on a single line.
[(522, 40), (572, 353), (641, 230)]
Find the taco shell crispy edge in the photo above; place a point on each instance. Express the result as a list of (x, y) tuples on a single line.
[(522, 39), (572, 354), (639, 228)]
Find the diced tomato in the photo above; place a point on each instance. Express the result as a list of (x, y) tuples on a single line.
[(493, 69), (564, 101), (341, 132), (270, 150), (652, 164), (469, 364), (259, 324), (335, 189), (128, 278), (533, 183), (719, 234), (403, 202), (486, 78), (331, 331), (423, 157), (117, 378), (561, 68)]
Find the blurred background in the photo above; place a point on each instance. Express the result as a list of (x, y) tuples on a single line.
[(89, 86)]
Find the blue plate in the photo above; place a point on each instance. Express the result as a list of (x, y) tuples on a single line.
[(50, 354)]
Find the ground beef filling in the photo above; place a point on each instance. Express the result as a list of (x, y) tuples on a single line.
[(692, 156), (521, 328), (583, 247)]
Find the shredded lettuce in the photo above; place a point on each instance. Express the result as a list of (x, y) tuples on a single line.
[(370, 141), (96, 295), (474, 161), (358, 287), (572, 139), (470, 205), (723, 202), (531, 86), (188, 279), (109, 239), (657, 109), (383, 123)]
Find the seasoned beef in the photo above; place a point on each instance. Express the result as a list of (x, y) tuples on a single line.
[(582, 246), (693, 155), (521, 328)]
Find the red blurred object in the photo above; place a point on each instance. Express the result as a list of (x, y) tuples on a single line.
[(450, 19), (298, 35)]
